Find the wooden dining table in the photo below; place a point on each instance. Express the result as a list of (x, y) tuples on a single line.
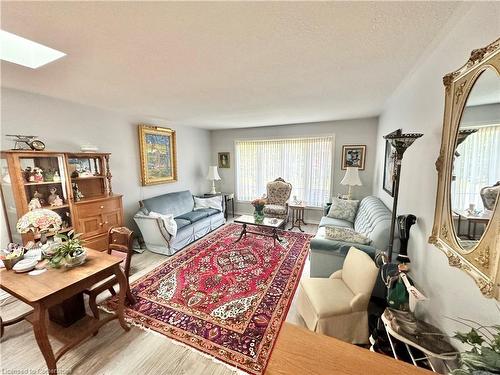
[(56, 285)]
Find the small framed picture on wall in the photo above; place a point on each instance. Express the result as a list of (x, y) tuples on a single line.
[(224, 160), (353, 156), (389, 168)]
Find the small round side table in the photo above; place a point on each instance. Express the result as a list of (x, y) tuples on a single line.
[(297, 215)]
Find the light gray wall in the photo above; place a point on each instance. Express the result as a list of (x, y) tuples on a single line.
[(418, 105), (359, 131), (64, 126)]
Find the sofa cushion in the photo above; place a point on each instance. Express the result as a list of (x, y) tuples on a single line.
[(329, 221), (181, 223), (343, 209), (345, 234), (210, 202), (193, 216), (209, 211), (177, 203)]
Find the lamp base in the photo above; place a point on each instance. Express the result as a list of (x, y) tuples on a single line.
[(213, 191)]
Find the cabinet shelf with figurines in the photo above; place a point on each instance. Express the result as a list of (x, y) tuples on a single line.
[(90, 176), (32, 180)]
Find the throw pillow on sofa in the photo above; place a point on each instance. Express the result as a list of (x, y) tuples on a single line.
[(346, 235), (343, 209), (211, 202)]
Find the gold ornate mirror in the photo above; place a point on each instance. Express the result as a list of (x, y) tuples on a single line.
[(467, 216)]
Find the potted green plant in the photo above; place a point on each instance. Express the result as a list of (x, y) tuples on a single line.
[(70, 252), (483, 358)]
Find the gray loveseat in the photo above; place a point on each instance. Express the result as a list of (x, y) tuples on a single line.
[(191, 224), (373, 219)]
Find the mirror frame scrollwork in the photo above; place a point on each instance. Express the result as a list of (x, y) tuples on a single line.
[(482, 262)]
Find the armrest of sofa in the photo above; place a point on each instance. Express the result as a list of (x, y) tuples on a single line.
[(152, 229)]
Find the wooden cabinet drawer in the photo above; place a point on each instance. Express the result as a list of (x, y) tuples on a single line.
[(96, 208), (99, 243)]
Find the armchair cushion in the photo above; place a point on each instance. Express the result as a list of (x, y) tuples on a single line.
[(343, 209), (274, 209)]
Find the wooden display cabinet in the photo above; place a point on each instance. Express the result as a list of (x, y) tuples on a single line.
[(91, 213)]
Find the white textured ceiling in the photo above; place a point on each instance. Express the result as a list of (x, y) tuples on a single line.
[(225, 64)]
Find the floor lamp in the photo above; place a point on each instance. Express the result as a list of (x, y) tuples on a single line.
[(400, 142)]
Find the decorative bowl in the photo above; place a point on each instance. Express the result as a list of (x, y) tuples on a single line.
[(78, 260), (10, 262)]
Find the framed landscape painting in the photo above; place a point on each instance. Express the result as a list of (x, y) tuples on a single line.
[(353, 156), (389, 168), (158, 157)]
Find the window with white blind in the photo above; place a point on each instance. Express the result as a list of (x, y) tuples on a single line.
[(304, 162), (477, 166)]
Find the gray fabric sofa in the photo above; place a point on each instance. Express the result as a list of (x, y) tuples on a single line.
[(191, 224), (373, 219)]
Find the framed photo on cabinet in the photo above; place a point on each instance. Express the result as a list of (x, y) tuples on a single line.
[(158, 155)]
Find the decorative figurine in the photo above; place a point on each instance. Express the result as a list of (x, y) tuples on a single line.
[(77, 193), (39, 196), (57, 202), (34, 204), (38, 176), (56, 178), (52, 197), (48, 174)]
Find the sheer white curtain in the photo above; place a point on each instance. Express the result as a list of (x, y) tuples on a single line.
[(477, 166), (304, 162)]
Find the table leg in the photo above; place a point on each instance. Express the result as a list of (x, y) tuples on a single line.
[(243, 232), (469, 229), (232, 205), (42, 338), (122, 281)]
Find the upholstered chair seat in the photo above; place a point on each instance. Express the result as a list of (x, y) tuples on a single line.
[(337, 306), (278, 193)]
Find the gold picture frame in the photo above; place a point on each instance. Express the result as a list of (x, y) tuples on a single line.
[(158, 155)]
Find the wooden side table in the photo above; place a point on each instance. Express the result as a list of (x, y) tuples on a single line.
[(297, 215), (56, 285)]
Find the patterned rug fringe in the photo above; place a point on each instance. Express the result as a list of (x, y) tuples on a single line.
[(236, 370)]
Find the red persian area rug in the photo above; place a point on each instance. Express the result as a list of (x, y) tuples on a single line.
[(223, 298)]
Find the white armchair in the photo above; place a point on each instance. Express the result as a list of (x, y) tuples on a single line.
[(337, 306)]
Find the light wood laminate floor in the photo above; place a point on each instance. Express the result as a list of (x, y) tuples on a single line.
[(112, 351)]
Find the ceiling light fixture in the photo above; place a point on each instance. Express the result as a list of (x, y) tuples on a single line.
[(25, 52)]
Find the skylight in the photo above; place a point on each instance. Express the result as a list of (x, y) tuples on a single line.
[(25, 52)]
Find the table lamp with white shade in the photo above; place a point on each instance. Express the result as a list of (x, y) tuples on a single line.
[(351, 179), (213, 175)]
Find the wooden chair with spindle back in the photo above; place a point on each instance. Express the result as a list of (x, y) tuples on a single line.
[(120, 244)]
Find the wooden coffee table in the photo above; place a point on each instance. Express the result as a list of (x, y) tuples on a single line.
[(472, 221), (267, 222), (56, 285)]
